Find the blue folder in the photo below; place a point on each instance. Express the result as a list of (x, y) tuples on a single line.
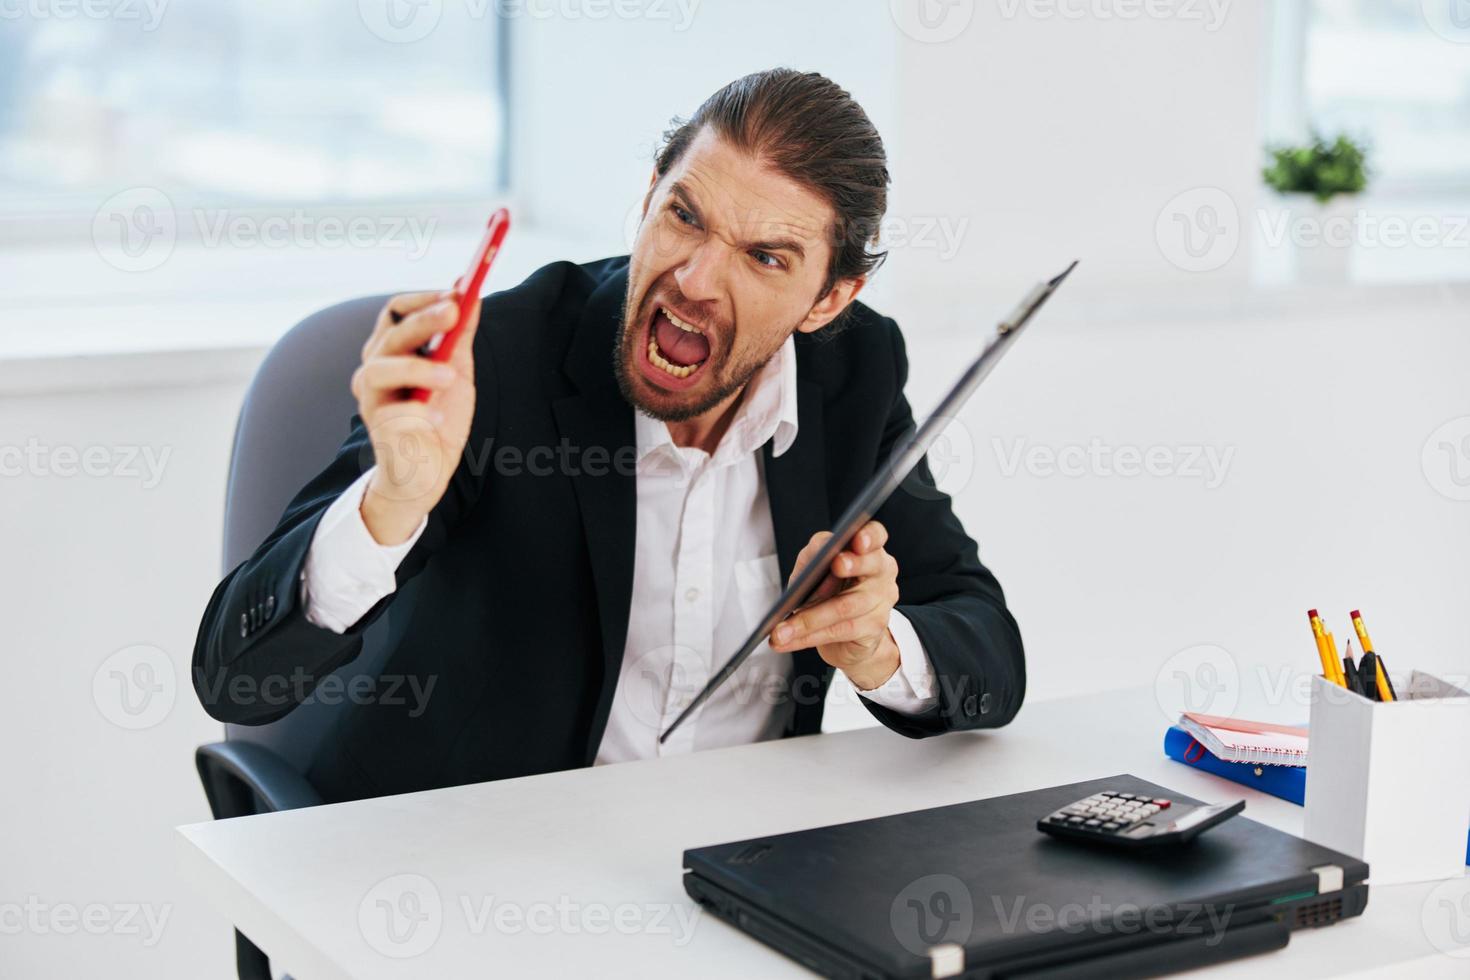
[(1287, 782)]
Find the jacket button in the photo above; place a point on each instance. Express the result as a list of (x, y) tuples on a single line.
[(970, 703), (244, 626), (270, 606), (985, 703)]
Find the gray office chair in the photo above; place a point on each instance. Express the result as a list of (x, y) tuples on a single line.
[(295, 415)]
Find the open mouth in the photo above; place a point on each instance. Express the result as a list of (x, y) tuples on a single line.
[(677, 350)]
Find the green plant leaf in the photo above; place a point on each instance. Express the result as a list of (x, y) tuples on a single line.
[(1318, 168)]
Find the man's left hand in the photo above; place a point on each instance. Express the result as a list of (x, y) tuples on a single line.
[(846, 618)]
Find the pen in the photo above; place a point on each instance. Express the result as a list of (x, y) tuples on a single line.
[(1368, 674), (1350, 670)]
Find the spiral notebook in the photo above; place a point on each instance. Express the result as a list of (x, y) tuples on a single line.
[(1258, 742)]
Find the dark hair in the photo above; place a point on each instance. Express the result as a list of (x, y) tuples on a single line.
[(811, 130)]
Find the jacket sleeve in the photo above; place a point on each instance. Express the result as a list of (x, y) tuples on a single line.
[(953, 601), (257, 656)]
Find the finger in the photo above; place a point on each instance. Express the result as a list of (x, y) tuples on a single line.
[(799, 630), (463, 357), (408, 419), (873, 563), (805, 554), (394, 311), (863, 628), (383, 379), (872, 536), (417, 328), (828, 586)]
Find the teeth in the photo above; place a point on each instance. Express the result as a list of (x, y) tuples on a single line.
[(665, 365), (686, 327)]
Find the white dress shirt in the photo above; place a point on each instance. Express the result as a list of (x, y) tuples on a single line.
[(704, 572)]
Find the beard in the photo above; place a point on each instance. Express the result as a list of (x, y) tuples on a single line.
[(726, 374)]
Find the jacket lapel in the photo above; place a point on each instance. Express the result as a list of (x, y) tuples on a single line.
[(796, 484), (597, 416)]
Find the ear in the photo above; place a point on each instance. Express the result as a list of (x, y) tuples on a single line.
[(843, 292)]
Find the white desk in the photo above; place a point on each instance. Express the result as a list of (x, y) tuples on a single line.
[(563, 849)]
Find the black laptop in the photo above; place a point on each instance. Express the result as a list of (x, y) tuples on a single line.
[(974, 890)]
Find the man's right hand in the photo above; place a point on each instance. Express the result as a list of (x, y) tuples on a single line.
[(417, 445)]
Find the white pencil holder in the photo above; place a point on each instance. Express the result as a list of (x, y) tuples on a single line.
[(1389, 781)]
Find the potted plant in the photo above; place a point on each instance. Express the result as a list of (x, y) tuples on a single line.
[(1317, 182)]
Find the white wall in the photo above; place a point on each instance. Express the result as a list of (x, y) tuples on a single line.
[(1052, 139), (1020, 143), (96, 564), (593, 97), (1321, 497)]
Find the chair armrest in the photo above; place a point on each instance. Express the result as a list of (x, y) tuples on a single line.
[(242, 777)]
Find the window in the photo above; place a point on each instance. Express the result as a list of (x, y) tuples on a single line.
[(272, 102), (1394, 72)]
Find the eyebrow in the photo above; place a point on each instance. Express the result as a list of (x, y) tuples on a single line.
[(686, 200)]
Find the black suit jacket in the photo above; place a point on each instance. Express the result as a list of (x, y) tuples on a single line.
[(518, 590)]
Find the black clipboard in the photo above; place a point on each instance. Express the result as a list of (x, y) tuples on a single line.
[(890, 475)]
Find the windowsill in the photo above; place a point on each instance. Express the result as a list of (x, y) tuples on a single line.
[(208, 315)]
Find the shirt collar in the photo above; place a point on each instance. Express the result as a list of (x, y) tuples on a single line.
[(766, 412)]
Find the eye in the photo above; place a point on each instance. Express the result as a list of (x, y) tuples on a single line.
[(682, 214), (765, 259)]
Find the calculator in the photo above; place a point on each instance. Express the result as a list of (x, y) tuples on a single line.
[(1134, 819)]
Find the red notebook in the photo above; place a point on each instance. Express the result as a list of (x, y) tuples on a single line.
[(1241, 740)]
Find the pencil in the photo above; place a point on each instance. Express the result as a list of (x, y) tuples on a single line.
[(1380, 673), (1330, 669), (1385, 686)]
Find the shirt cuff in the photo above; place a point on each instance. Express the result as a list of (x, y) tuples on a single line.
[(910, 691), (346, 571)]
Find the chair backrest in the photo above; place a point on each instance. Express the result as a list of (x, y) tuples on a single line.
[(295, 415)]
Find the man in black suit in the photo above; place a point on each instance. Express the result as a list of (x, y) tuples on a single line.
[(610, 481)]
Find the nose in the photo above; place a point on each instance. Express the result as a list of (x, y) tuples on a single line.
[(699, 275)]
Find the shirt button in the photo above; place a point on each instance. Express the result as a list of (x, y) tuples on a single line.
[(691, 594)]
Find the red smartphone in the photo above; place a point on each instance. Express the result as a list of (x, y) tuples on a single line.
[(441, 345)]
